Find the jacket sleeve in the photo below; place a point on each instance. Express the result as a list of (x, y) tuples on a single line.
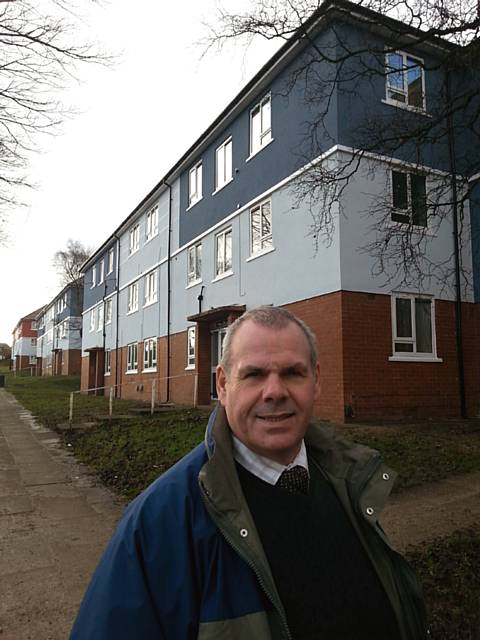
[(146, 584)]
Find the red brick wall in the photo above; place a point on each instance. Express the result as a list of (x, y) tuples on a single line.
[(84, 373), (378, 388), (71, 362)]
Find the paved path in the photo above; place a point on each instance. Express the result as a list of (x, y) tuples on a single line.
[(54, 524)]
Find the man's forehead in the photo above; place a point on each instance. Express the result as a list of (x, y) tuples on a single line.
[(257, 342)]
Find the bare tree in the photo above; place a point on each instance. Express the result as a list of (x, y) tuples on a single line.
[(341, 69), (40, 53), (68, 261)]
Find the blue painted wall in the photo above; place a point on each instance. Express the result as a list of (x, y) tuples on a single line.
[(93, 295)]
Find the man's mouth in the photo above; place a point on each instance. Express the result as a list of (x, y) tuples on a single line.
[(275, 417)]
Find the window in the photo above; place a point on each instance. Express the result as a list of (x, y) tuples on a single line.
[(152, 223), (151, 287), (107, 362), (223, 248), (191, 348), (100, 318), (32, 360), (101, 274), (194, 263), (132, 298), (108, 311), (93, 319), (413, 326), (223, 164), (132, 361), (405, 80), (94, 276), (33, 342), (134, 239), (150, 353), (260, 125), (111, 257), (195, 184), (409, 198), (261, 227), (34, 324), (63, 329)]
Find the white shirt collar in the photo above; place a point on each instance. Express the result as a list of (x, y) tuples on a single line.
[(262, 467)]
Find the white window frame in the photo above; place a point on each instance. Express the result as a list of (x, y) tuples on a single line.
[(94, 276), (152, 223), (134, 239), (111, 260), (223, 270), (100, 317), (32, 359), (101, 275), (132, 293), (265, 239), (191, 347), (63, 329), (107, 365), (195, 185), (265, 131), (93, 319), (151, 287), (412, 340), (408, 212), (108, 311), (150, 354), (223, 164), (194, 275), (403, 91), (132, 357)]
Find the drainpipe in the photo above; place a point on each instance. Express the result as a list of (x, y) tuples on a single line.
[(169, 251), (117, 306), (200, 299), (458, 302)]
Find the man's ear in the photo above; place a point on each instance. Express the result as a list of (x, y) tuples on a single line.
[(317, 381), (221, 379)]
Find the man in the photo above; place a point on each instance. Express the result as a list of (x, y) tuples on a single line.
[(268, 530)]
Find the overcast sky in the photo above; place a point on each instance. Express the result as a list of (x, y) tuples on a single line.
[(136, 119)]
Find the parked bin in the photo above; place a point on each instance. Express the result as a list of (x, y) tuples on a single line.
[(2, 381)]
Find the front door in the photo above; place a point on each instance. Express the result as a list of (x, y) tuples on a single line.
[(218, 336)]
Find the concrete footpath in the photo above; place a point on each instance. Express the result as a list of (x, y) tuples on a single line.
[(54, 524)]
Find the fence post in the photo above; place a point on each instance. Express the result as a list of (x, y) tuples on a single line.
[(110, 403), (154, 387), (195, 391), (70, 413)]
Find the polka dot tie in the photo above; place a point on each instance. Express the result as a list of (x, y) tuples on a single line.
[(294, 480)]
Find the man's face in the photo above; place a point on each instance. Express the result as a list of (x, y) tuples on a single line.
[(269, 392)]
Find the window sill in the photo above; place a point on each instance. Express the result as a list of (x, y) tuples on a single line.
[(405, 358), (150, 238), (259, 254), (130, 313), (415, 228), (222, 276), (132, 253), (252, 155), (222, 186), (151, 370), (131, 372), (407, 107), (194, 283), (190, 367), (107, 373), (192, 204), (149, 303)]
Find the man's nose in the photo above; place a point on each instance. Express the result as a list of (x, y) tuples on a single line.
[(274, 388)]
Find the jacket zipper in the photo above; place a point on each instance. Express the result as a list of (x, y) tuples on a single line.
[(278, 606)]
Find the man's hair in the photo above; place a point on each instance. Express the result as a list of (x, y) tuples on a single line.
[(272, 317)]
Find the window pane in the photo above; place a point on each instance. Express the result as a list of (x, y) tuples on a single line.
[(399, 190), (256, 234), (266, 219), (404, 318), (192, 184), (266, 116), (199, 261), (219, 179), (228, 160), (395, 70), (256, 129), (423, 325), (419, 200), (414, 82), (228, 251), (402, 347), (220, 254)]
